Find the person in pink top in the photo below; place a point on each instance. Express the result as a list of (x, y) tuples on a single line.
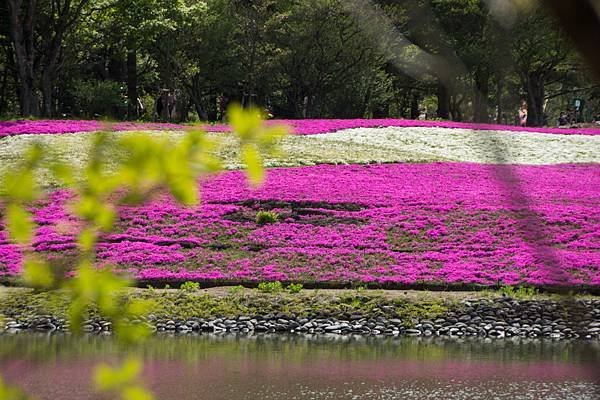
[(523, 113)]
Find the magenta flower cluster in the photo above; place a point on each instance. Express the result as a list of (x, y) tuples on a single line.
[(300, 127), (404, 224), (316, 126), (27, 127)]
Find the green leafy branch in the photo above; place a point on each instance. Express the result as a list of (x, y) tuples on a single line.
[(145, 168)]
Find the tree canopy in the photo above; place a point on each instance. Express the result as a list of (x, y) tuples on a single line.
[(188, 59)]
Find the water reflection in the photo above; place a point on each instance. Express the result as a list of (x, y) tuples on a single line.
[(323, 367)]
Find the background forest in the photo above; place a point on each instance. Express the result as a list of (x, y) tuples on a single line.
[(185, 60)]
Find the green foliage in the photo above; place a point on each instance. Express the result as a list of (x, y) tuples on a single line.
[(410, 312), (18, 190), (519, 293), (179, 305), (9, 392), (360, 289), (309, 58), (149, 167), (94, 287), (266, 217), (294, 288), (105, 98), (190, 287), (153, 163), (236, 290), (331, 67), (122, 381), (255, 138), (19, 223), (270, 287), (37, 273)]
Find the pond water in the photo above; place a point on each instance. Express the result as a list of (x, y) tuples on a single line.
[(296, 367)]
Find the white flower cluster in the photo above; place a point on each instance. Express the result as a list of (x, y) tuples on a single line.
[(354, 146), (498, 147)]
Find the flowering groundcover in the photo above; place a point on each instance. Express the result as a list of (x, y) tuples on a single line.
[(300, 127), (27, 127), (396, 224)]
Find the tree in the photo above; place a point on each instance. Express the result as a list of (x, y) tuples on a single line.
[(539, 49), (326, 63), (22, 34), (6, 57), (472, 34), (37, 29), (251, 45), (137, 23), (205, 57), (300, 58)]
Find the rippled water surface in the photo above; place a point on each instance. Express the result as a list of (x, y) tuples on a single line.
[(292, 367)]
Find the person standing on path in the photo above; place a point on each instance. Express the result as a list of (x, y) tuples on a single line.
[(523, 113)]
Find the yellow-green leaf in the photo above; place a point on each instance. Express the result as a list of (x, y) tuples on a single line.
[(136, 393), (10, 393), (104, 218), (107, 378), (245, 122), (34, 155), (253, 160), (273, 134), (20, 186), (19, 223), (63, 173), (37, 273), (131, 333), (87, 239), (184, 190)]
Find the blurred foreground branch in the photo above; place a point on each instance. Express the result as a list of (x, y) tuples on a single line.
[(581, 20)]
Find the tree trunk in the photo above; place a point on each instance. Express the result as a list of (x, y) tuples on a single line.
[(133, 111), (50, 72), (499, 90), (202, 114), (47, 88), (443, 95), (184, 110), (21, 32), (480, 105), (534, 87), (455, 110), (3, 86), (414, 106), (27, 93)]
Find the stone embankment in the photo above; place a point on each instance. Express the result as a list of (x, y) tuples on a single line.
[(485, 318)]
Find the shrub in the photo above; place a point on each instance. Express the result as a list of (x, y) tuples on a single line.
[(148, 103), (190, 287), (360, 290), (270, 287), (236, 290), (105, 98), (519, 293), (294, 288), (266, 217)]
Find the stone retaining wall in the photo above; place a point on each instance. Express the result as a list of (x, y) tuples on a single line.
[(498, 318)]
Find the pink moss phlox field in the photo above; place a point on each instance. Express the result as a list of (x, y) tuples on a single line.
[(404, 224), (300, 127), (316, 126), (26, 127)]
